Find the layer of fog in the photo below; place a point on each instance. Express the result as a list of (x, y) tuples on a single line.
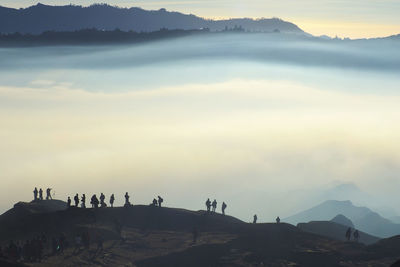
[(265, 125)]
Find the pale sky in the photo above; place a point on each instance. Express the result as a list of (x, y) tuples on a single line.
[(345, 18)]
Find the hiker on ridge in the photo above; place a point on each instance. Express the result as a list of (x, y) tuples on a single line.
[(154, 202), (83, 201), (40, 194), (94, 201), (223, 207), (255, 218), (35, 194), (112, 199), (127, 203), (102, 203), (208, 205), (348, 234), (76, 200), (160, 201), (214, 205), (278, 220), (48, 194), (69, 202)]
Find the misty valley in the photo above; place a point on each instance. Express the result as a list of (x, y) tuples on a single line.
[(295, 134)]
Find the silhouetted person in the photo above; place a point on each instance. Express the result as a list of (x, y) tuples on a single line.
[(48, 194), (255, 218), (348, 234), (278, 220), (208, 205), (40, 194), (69, 202), (35, 194), (112, 199), (94, 201), (76, 200), (214, 205), (223, 207), (160, 201), (154, 202), (83, 201), (127, 203), (102, 199), (195, 233), (356, 235)]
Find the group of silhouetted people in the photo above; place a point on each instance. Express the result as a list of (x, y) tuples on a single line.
[(157, 202), (213, 205), (356, 234), (38, 194), (95, 202)]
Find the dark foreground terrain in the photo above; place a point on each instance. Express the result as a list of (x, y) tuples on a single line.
[(152, 236)]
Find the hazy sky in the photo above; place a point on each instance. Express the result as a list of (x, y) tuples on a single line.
[(345, 18), (189, 120)]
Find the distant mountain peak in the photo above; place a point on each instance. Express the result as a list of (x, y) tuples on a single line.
[(343, 220)]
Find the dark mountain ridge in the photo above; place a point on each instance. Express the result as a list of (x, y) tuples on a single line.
[(153, 236), (40, 18)]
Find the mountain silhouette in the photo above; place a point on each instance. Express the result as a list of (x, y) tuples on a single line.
[(40, 18), (343, 220), (153, 236), (363, 218), (328, 210)]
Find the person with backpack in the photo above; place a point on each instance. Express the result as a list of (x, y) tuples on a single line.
[(208, 205)]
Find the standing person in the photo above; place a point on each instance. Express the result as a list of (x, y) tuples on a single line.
[(112, 199), (83, 201), (348, 234), (208, 205), (102, 198), (255, 218), (40, 194), (48, 194), (35, 194), (127, 203), (154, 202), (76, 200), (223, 207), (278, 220), (214, 205), (160, 200), (356, 235), (69, 202), (94, 201)]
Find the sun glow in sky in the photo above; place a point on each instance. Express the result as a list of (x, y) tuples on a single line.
[(344, 18)]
